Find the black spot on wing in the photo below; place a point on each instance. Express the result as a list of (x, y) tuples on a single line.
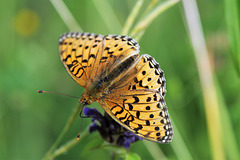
[(138, 114), (136, 99), (65, 59), (122, 118)]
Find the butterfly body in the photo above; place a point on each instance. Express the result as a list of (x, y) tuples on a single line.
[(130, 88)]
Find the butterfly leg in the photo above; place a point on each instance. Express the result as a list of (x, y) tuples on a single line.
[(81, 113)]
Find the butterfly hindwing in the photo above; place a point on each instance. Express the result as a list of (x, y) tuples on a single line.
[(149, 120), (138, 104)]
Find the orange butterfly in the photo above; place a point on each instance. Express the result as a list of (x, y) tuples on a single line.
[(130, 88)]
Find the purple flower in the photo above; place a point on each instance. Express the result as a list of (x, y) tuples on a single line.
[(93, 112), (127, 139), (109, 129)]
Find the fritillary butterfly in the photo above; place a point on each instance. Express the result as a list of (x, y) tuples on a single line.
[(130, 88)]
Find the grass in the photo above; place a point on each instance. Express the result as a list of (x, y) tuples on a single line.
[(233, 28)]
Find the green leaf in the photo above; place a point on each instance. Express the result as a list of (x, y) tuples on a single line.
[(132, 156), (114, 148), (92, 144), (232, 21)]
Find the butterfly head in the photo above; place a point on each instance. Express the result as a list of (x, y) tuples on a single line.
[(86, 99)]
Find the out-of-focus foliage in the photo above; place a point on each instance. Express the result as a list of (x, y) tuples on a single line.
[(29, 60), (233, 27)]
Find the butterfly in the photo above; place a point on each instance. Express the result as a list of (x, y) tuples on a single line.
[(130, 88)]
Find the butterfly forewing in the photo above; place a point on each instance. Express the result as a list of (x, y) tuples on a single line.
[(72, 54), (89, 57)]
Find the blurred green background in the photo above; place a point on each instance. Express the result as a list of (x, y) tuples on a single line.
[(29, 60)]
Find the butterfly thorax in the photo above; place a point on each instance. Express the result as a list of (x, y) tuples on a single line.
[(93, 93), (100, 86)]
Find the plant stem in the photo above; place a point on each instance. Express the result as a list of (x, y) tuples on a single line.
[(154, 150), (66, 15), (64, 148), (108, 15), (131, 18), (139, 35), (179, 146), (147, 20), (150, 6), (206, 78), (65, 129)]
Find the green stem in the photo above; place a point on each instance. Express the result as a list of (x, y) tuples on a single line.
[(150, 6), (65, 129), (139, 35), (179, 145), (154, 150), (66, 15), (206, 75), (147, 20), (108, 15), (64, 148), (131, 18)]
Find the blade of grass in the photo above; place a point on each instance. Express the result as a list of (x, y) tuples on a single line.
[(108, 16), (131, 18), (147, 20), (66, 15), (179, 146), (206, 78), (154, 150), (230, 140), (139, 35), (233, 29), (150, 7)]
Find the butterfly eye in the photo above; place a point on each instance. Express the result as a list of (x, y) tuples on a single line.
[(89, 101)]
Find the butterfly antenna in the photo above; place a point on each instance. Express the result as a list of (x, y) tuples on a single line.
[(41, 91), (79, 132)]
